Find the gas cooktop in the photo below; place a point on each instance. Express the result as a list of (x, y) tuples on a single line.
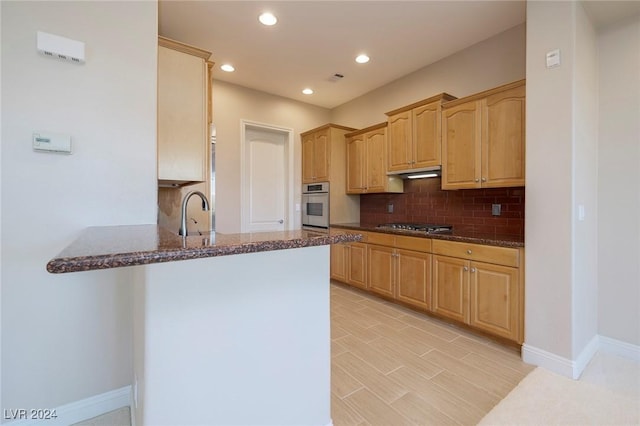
[(419, 227)]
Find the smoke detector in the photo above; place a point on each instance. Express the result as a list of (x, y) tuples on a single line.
[(336, 77)]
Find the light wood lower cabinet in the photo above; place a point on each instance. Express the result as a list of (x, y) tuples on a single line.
[(357, 266), (413, 285), (473, 284), (451, 288), (494, 296), (403, 275), (381, 269), (487, 296), (349, 263)]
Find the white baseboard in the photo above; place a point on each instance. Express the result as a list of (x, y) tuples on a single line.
[(548, 360), (77, 411), (618, 347), (585, 357), (574, 369)]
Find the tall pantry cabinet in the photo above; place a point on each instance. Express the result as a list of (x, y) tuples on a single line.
[(184, 118), (323, 160)]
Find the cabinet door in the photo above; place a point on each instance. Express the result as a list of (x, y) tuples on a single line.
[(381, 269), (308, 154), (414, 278), (426, 136), (357, 265), (321, 156), (339, 261), (355, 164), (495, 299), (182, 116), (503, 139), (376, 164), (461, 132), (400, 141), (451, 288)]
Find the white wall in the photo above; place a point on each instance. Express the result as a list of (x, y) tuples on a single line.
[(549, 210), (585, 184), (213, 349), (233, 103), (1, 405), (487, 64), (619, 181), (67, 337)]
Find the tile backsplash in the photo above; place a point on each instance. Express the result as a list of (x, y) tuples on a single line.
[(467, 209)]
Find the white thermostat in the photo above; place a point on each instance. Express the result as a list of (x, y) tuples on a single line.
[(553, 58), (51, 142)]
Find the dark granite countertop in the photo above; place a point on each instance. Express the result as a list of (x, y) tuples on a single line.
[(455, 235), (107, 247)]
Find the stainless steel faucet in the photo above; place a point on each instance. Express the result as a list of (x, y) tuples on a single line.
[(185, 201)]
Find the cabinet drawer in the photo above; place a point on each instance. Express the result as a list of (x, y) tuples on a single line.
[(490, 254), (413, 243), (381, 239)]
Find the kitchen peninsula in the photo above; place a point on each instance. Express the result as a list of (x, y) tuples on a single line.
[(228, 329)]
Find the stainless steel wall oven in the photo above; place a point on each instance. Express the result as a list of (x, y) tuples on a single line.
[(315, 205)]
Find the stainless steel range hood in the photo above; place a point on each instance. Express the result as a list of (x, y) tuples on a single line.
[(422, 173)]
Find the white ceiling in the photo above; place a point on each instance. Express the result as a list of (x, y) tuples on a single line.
[(313, 40)]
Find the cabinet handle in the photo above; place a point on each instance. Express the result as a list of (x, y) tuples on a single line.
[(484, 179), (465, 268), (477, 180), (473, 270), (469, 251)]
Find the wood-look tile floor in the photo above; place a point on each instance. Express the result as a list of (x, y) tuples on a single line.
[(393, 366)]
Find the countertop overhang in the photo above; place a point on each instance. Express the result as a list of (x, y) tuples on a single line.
[(105, 247), (455, 235)]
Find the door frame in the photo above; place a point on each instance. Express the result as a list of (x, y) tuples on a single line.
[(289, 223)]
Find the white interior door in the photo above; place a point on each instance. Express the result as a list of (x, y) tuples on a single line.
[(265, 179)]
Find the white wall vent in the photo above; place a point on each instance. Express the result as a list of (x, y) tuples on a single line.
[(60, 47)]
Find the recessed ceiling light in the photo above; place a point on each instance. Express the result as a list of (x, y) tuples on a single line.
[(307, 91), (362, 59), (268, 19), (227, 68)]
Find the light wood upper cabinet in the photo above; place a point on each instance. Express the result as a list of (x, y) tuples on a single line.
[(376, 160), (415, 135), (183, 112), (367, 162), (316, 155), (461, 148), (323, 154), (356, 160), (503, 138), (400, 141), (483, 139)]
